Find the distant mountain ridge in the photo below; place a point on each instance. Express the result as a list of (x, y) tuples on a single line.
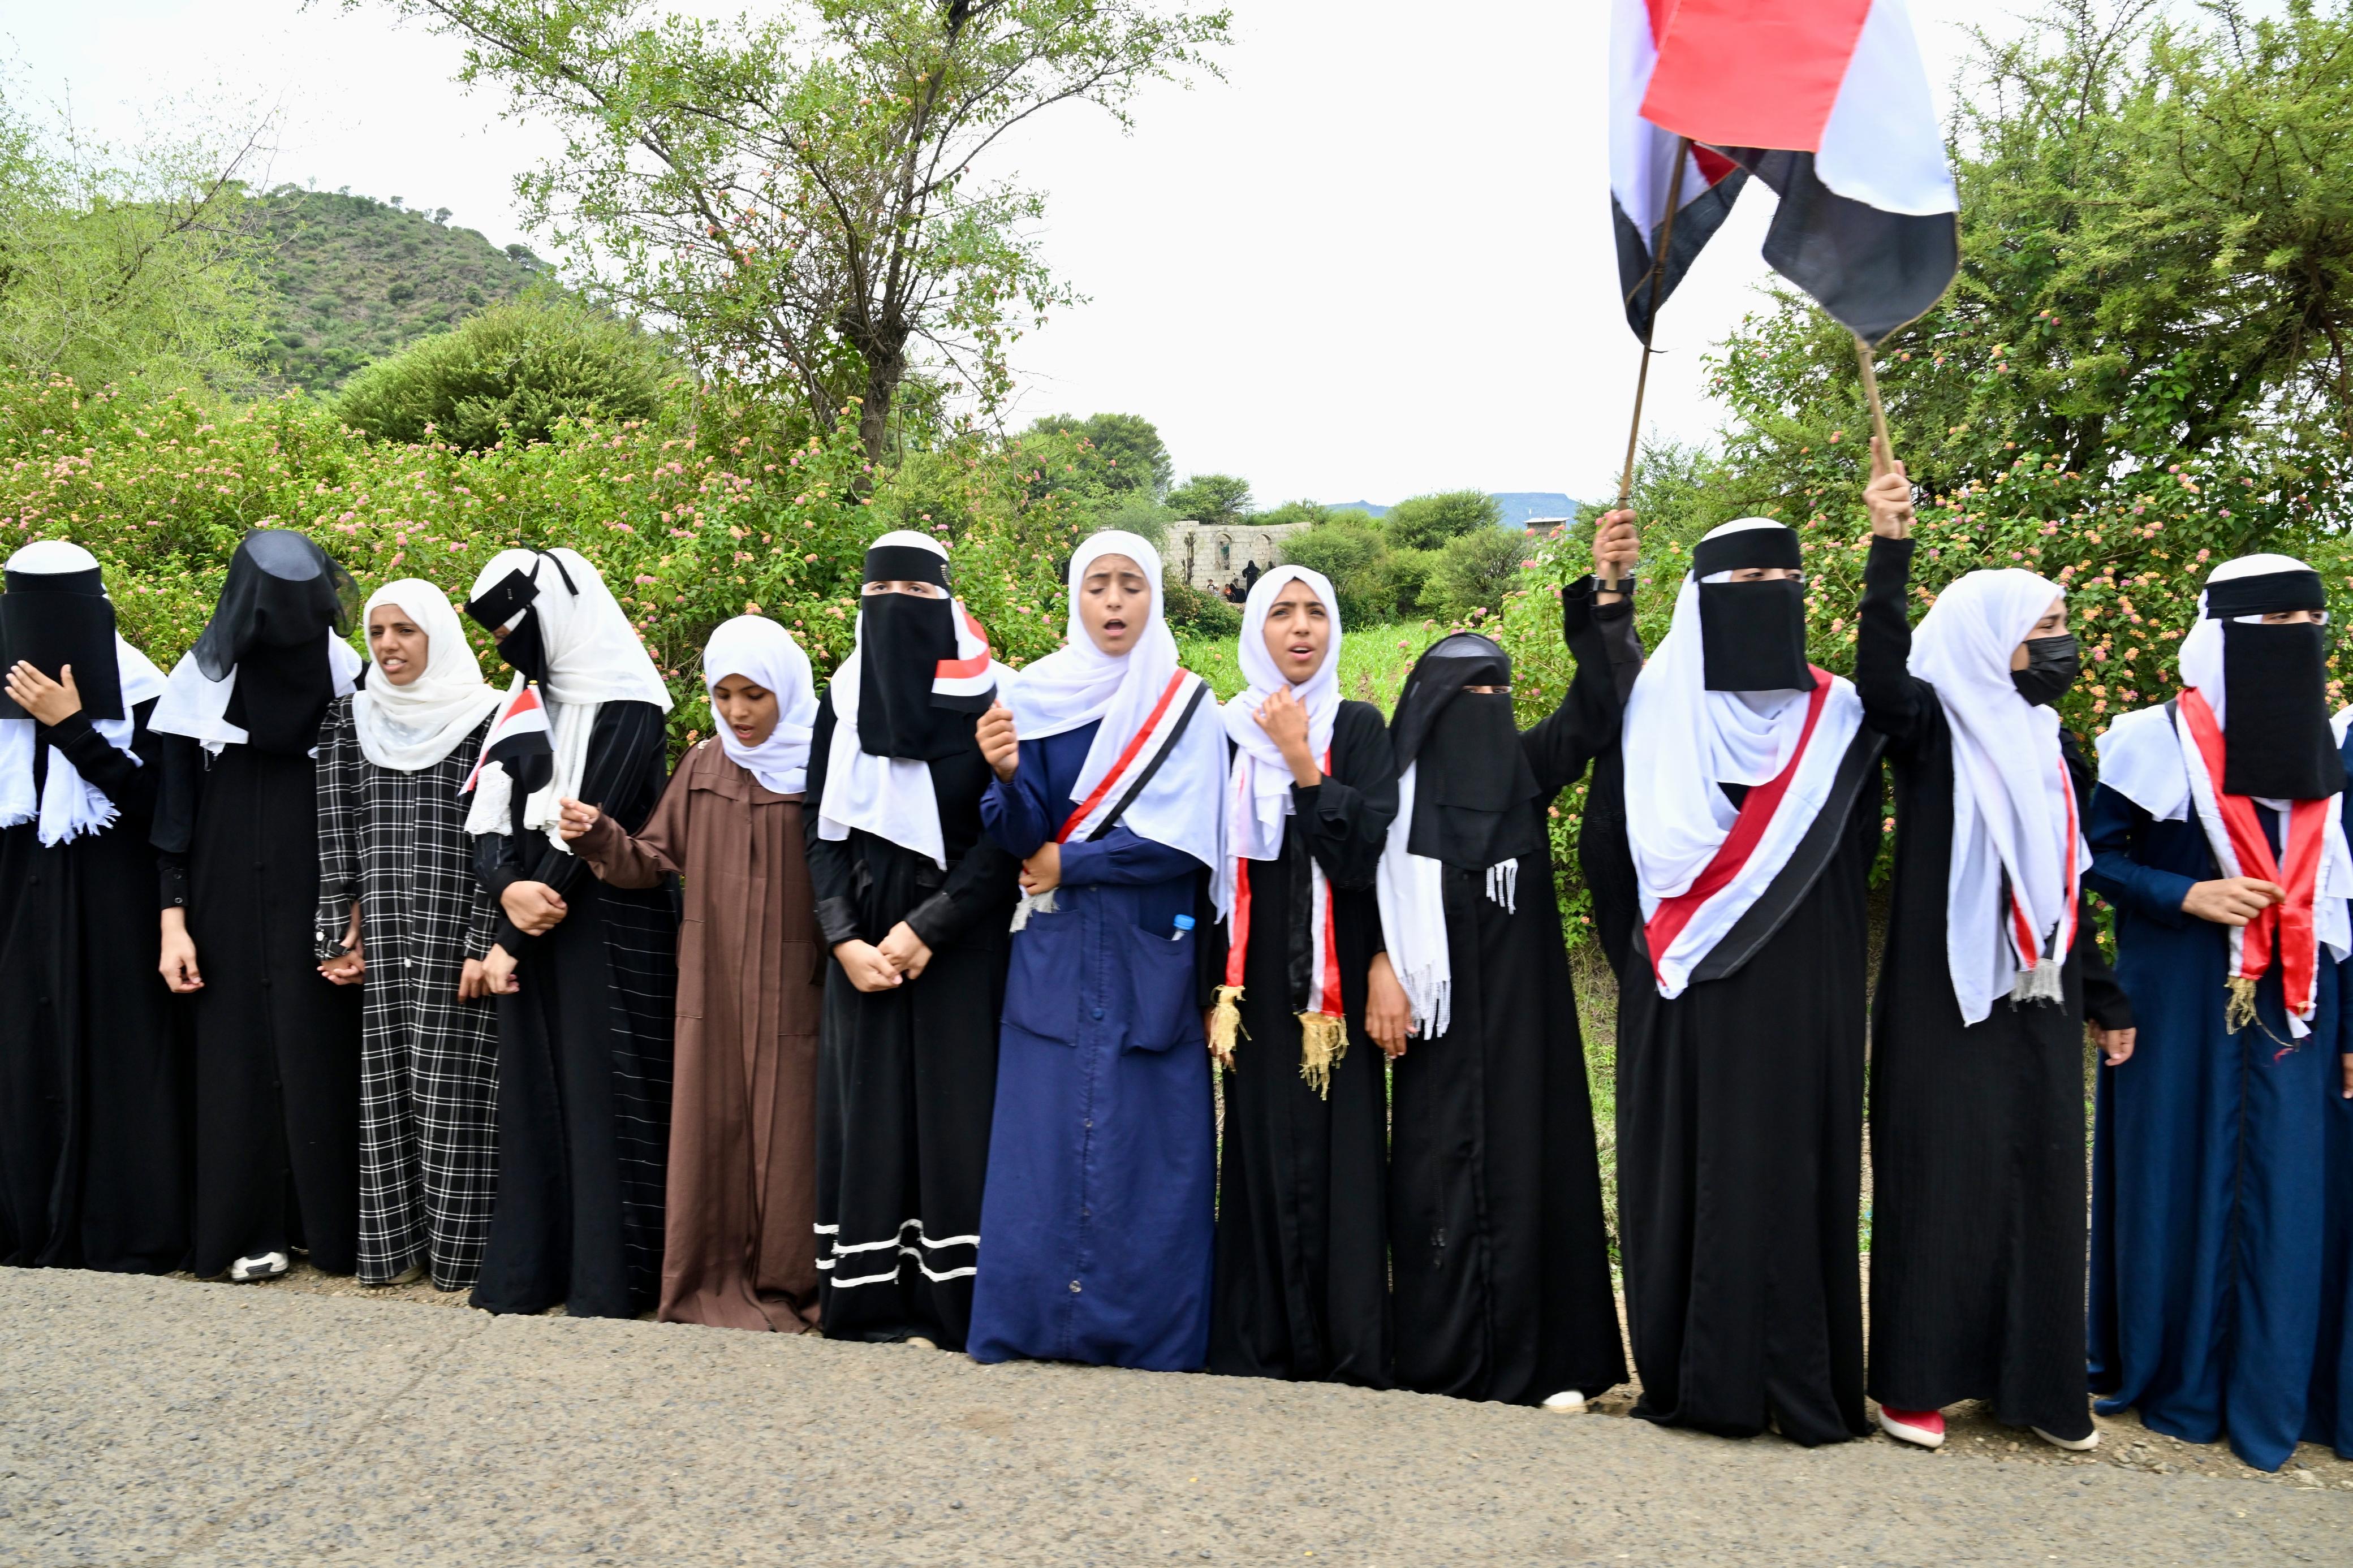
[(353, 279), (1520, 507)]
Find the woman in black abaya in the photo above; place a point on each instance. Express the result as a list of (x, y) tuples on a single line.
[(584, 974), (237, 830), (1497, 1245), (93, 1138)]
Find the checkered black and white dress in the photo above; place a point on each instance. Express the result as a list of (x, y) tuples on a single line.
[(429, 1071)]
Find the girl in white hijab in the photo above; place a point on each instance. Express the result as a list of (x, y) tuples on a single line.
[(1302, 1272), (740, 1247), (1977, 1085), (402, 915)]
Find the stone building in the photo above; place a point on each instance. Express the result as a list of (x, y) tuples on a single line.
[(1209, 555)]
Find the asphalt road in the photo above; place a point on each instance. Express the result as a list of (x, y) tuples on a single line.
[(158, 1421)]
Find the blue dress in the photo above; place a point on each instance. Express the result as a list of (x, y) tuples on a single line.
[(1102, 1160), (2222, 1175)]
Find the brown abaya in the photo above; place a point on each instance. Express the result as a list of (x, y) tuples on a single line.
[(740, 1248)]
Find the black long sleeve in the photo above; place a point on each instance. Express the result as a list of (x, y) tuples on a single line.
[(623, 776), (832, 875), (1586, 720), (179, 764), (2104, 1003), (1896, 702), (127, 778), (1346, 817)]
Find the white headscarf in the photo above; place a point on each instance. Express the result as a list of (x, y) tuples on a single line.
[(2012, 798), (69, 804), (892, 797), (593, 657), (1079, 684), (759, 650), (411, 728), (1259, 794)]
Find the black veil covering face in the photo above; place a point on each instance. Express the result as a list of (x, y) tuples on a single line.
[(901, 642), (1752, 635), (2276, 690), (51, 619), (282, 598), (1472, 775), (507, 602)]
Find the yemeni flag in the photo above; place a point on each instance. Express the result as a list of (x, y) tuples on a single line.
[(1826, 101), (1642, 171), (520, 740)]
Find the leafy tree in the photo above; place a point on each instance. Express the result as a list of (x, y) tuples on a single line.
[(514, 371), (1426, 522), (798, 193), (1290, 511), (1123, 451), (1474, 571), (1352, 556), (1218, 498), (115, 264)]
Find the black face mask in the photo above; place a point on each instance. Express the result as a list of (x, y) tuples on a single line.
[(2276, 741), (281, 695), (2052, 666), (903, 638), (1753, 635), (1474, 794), (525, 652)]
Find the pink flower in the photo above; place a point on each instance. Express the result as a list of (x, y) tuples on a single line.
[(641, 579)]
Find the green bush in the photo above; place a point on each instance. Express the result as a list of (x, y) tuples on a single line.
[(514, 371), (1193, 614), (1349, 551), (1474, 571), (1426, 522), (688, 530)]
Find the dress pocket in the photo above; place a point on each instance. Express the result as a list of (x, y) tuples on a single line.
[(1161, 1011), (1042, 977)]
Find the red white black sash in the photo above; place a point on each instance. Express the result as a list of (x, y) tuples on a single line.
[(1127, 778), (1314, 966), (1682, 931), (2287, 932)]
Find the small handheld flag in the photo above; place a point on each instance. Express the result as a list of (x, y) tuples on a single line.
[(519, 741)]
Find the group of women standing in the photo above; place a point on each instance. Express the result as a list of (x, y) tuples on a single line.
[(895, 1011)]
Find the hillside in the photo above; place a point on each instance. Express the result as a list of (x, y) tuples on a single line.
[(356, 278)]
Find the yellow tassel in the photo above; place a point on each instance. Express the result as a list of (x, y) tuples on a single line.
[(1323, 1041), (1225, 1025), (2240, 1012)]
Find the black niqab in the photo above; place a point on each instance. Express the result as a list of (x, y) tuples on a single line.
[(902, 640), (51, 619), (2276, 705), (1752, 636), (1472, 784), (282, 598)]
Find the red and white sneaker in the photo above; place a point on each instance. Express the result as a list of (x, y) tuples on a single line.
[(1922, 1428)]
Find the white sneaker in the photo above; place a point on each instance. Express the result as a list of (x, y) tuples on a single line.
[(2073, 1445), (263, 1266), (920, 1342), (1567, 1400)]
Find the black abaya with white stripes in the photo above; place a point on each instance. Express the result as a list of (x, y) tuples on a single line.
[(583, 1069), (907, 1077), (93, 1068), (396, 842)]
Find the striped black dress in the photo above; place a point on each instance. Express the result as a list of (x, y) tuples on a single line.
[(585, 1049), (428, 1063)]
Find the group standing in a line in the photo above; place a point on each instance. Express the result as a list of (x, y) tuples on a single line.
[(899, 1010)]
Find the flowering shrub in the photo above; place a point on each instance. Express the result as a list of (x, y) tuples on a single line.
[(690, 522)]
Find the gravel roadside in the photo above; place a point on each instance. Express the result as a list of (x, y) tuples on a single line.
[(160, 1421)]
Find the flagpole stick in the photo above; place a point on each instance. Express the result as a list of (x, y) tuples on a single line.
[(1650, 317), (1882, 450)]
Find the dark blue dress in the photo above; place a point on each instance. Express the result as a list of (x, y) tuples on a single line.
[(1102, 1162), (2222, 1176)]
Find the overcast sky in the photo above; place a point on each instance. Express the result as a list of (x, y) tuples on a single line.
[(1374, 262)]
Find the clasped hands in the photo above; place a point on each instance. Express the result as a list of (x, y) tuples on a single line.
[(886, 966)]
